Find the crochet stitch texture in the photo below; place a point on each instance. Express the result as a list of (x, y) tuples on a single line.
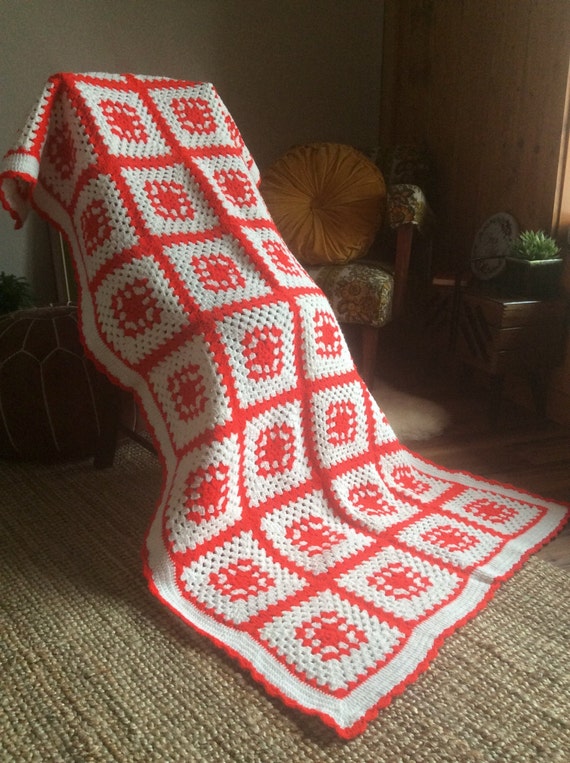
[(293, 528)]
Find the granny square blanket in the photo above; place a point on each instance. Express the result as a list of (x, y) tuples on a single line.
[(293, 528)]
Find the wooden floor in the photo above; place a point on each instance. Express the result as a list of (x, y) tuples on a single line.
[(523, 450)]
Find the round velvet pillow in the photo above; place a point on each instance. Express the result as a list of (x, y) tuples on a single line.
[(327, 200)]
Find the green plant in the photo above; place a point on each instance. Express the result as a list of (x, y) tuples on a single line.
[(534, 245), (15, 293)]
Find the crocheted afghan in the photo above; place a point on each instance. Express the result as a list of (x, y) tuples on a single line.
[(293, 528)]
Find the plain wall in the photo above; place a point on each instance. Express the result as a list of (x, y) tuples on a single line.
[(289, 71)]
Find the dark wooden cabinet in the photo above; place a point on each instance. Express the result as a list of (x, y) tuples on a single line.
[(503, 336)]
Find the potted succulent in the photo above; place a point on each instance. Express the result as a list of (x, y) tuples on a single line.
[(534, 265), (15, 293)]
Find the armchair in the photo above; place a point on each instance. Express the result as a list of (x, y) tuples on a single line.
[(359, 253)]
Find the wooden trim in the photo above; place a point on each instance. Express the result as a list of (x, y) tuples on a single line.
[(390, 73), (561, 211), (404, 237), (369, 339), (66, 290)]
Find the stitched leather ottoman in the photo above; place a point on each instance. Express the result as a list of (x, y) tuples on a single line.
[(52, 397)]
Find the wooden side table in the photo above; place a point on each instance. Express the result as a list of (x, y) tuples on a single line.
[(506, 335)]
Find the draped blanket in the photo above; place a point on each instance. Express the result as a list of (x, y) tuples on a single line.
[(293, 528)]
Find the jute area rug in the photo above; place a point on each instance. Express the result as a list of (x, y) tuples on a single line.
[(93, 668)]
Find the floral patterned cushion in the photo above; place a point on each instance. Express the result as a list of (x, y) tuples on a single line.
[(359, 292), (408, 204), (406, 163)]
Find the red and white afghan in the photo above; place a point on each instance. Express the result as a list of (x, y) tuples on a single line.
[(293, 528)]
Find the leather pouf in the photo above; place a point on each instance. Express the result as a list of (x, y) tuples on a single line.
[(51, 395)]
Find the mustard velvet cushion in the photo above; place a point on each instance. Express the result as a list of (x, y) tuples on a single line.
[(327, 200)]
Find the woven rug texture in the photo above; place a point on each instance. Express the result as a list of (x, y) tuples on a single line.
[(94, 669)]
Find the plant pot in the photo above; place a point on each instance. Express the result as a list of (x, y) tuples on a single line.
[(533, 279)]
